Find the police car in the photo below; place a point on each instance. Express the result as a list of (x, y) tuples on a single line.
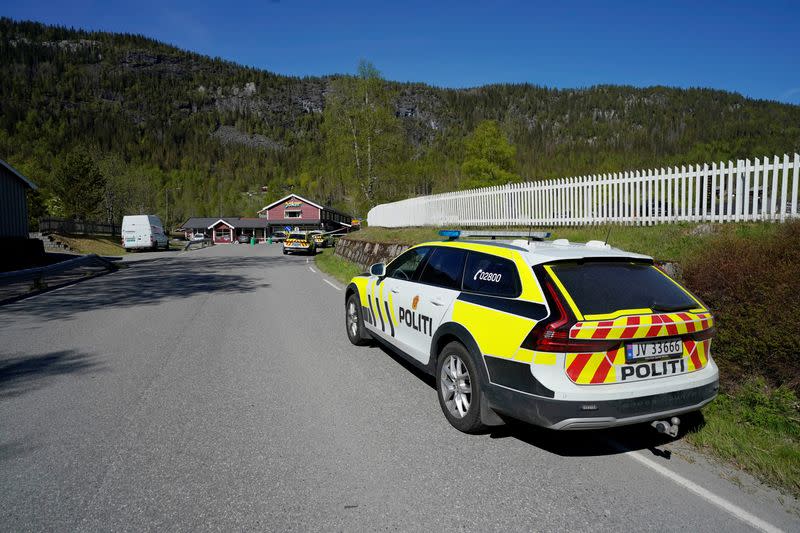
[(299, 241), (558, 334)]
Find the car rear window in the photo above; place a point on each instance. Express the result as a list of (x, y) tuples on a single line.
[(487, 274), (606, 287), (298, 236)]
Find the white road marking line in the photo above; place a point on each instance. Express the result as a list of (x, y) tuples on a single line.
[(331, 284), (312, 270), (706, 494)]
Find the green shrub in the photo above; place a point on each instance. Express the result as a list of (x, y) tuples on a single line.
[(753, 289)]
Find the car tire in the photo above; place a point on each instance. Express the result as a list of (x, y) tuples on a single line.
[(285, 252), (458, 388), (354, 321)]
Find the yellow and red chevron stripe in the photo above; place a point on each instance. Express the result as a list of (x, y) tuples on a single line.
[(696, 354), (601, 367), (642, 326), (594, 368)]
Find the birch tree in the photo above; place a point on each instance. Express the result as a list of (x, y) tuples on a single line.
[(363, 137)]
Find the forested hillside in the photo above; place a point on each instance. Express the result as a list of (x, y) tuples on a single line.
[(166, 125)]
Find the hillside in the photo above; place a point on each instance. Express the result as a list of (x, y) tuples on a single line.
[(157, 118)]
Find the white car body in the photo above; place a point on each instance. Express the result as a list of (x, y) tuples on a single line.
[(409, 315), (143, 232)]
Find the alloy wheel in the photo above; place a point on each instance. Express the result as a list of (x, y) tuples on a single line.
[(456, 386), (352, 319)]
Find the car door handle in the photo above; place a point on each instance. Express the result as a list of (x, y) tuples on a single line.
[(437, 301), (396, 291)]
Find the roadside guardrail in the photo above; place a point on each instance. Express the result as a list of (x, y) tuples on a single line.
[(21, 283), (202, 244)]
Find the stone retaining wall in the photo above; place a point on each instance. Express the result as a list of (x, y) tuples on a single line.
[(366, 253)]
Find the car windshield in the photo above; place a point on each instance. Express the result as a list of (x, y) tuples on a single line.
[(606, 287)]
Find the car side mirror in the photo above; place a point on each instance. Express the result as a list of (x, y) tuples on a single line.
[(378, 269)]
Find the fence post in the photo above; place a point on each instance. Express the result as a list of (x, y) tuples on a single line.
[(746, 190), (754, 215), (784, 187), (795, 180), (765, 189)]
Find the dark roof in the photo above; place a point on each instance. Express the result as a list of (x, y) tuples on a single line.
[(16, 173), (236, 222)]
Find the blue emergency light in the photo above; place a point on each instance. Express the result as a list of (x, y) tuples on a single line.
[(450, 233), (453, 234)]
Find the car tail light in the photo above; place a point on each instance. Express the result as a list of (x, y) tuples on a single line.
[(704, 335), (552, 333)]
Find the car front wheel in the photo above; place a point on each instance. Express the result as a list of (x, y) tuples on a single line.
[(459, 389), (354, 322)]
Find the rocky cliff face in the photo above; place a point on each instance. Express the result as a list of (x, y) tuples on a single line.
[(153, 102)]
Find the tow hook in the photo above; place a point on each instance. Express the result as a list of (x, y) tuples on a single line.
[(668, 427)]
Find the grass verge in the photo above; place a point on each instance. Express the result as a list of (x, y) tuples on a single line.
[(92, 244), (337, 267), (667, 242), (756, 428)]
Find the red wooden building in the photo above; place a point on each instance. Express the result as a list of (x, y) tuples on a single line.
[(294, 211)]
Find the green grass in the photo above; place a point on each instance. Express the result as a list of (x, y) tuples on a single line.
[(666, 242), (100, 245), (757, 429), (92, 244), (336, 266)]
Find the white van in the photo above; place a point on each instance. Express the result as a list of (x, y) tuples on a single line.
[(143, 232)]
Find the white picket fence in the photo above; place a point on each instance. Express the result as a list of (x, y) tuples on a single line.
[(722, 192)]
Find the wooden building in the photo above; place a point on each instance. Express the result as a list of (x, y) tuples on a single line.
[(300, 213), (13, 203), (226, 229)]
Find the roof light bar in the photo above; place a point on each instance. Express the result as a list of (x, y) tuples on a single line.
[(453, 234)]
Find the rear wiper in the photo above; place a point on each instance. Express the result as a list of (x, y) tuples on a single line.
[(655, 306)]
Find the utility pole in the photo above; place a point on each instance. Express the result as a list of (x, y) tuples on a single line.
[(166, 203), (219, 199)]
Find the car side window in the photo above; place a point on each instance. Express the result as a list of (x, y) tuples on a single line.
[(444, 268), (406, 265), (488, 274)]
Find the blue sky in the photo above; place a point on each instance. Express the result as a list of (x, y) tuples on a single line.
[(749, 47)]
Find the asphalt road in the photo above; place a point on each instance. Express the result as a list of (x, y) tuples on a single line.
[(216, 390)]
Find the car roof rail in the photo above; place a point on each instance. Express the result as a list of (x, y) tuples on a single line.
[(454, 234)]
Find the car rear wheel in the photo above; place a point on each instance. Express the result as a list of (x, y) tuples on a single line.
[(354, 322), (459, 389)]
